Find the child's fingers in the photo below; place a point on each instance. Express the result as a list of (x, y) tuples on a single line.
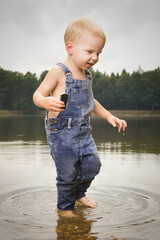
[(121, 125), (57, 103), (57, 109), (124, 125)]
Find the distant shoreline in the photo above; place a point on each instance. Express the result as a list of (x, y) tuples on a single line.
[(120, 113)]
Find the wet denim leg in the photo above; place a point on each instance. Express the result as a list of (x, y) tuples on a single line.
[(82, 189), (90, 162), (66, 166), (64, 147)]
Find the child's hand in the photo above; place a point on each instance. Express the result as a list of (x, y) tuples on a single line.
[(53, 104), (116, 122)]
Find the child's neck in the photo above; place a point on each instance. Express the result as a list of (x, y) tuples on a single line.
[(77, 73)]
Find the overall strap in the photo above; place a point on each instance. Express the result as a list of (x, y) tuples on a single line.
[(64, 68), (68, 72), (88, 74)]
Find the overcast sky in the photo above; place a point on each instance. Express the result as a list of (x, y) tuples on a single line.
[(31, 33)]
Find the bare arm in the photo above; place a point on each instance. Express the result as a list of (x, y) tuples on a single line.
[(114, 121), (41, 96)]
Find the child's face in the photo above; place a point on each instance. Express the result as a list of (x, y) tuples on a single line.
[(85, 50)]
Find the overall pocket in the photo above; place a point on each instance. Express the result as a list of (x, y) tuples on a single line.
[(54, 129), (80, 97)]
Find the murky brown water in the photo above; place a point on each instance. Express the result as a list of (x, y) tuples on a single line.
[(127, 189)]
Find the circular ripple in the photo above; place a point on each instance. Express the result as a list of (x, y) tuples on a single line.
[(32, 203), (118, 207), (30, 207), (122, 207)]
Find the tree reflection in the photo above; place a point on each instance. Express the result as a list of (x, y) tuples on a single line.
[(75, 228), (141, 135)]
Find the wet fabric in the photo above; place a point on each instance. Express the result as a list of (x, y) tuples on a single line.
[(71, 143)]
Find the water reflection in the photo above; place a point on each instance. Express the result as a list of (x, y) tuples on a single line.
[(142, 134), (77, 228), (26, 128)]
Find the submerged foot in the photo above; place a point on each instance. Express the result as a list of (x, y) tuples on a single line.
[(87, 202), (66, 214)]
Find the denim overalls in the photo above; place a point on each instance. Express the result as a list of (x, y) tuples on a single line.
[(71, 144)]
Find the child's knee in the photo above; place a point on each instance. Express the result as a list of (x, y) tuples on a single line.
[(67, 177), (90, 167)]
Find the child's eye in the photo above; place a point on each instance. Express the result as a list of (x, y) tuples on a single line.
[(89, 51)]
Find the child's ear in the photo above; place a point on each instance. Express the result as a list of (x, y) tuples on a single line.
[(69, 47)]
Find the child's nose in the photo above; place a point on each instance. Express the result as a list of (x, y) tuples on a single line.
[(95, 57)]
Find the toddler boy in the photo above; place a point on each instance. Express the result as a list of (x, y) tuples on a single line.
[(68, 126)]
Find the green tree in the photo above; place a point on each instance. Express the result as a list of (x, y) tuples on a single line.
[(7, 83), (23, 91), (139, 90), (152, 94), (124, 90)]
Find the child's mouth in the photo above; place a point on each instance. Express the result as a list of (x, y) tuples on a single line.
[(89, 64)]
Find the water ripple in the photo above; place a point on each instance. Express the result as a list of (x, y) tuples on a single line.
[(122, 212)]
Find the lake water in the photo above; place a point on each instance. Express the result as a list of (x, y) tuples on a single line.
[(127, 189)]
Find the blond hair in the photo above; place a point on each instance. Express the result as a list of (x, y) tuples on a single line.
[(81, 25)]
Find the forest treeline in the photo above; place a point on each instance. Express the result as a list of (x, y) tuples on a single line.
[(137, 91)]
